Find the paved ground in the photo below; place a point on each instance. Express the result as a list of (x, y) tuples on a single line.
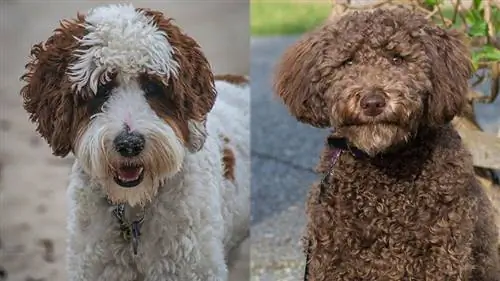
[(33, 182), (283, 153)]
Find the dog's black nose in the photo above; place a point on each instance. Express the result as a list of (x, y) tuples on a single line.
[(129, 144), (373, 104)]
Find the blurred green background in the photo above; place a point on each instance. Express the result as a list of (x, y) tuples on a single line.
[(286, 17), (292, 17)]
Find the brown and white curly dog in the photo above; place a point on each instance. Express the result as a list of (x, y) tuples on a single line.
[(400, 202)]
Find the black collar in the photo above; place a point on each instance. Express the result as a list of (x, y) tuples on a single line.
[(340, 143)]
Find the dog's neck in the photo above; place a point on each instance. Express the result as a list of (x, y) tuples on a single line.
[(131, 218), (336, 141), (342, 144)]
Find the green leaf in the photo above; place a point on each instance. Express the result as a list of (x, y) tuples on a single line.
[(486, 53), (472, 16), (431, 3), (495, 18), (475, 61), (478, 29), (476, 4), (475, 65)]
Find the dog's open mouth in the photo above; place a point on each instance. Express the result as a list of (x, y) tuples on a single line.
[(129, 175)]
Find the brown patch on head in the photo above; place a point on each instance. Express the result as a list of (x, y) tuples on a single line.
[(229, 162), (48, 97), (193, 88), (238, 80), (179, 127), (161, 99)]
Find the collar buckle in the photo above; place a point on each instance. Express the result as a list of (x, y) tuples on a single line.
[(129, 229)]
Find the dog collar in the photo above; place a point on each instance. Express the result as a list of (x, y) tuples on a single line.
[(130, 228), (341, 144)]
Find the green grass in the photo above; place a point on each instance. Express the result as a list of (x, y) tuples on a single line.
[(286, 17), (291, 17)]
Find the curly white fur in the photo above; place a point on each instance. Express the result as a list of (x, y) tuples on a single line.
[(162, 156), (193, 214), (190, 225), (120, 38)]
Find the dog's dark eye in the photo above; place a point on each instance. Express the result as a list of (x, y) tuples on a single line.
[(397, 59), (153, 88), (103, 92), (349, 62)]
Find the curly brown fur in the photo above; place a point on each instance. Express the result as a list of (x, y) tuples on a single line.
[(410, 208), (422, 70), (48, 97), (195, 82)]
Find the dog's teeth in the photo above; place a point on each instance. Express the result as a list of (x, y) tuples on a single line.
[(125, 180), (129, 179), (129, 174)]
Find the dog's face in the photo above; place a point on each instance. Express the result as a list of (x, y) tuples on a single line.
[(376, 77), (127, 92)]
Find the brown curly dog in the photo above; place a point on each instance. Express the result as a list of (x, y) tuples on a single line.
[(401, 201)]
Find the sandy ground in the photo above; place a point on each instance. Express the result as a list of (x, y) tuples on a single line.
[(33, 182)]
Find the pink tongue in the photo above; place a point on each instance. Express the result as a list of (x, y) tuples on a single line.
[(129, 173)]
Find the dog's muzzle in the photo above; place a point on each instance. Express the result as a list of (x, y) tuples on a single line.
[(129, 172)]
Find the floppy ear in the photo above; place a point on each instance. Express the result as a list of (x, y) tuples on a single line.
[(300, 79), (194, 81), (47, 95), (450, 70)]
